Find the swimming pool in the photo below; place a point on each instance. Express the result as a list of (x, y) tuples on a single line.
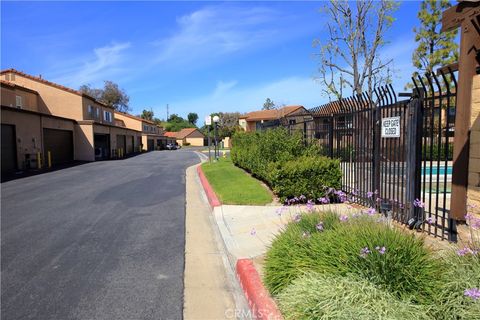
[(434, 170)]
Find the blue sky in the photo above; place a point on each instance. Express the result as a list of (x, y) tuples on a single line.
[(198, 57)]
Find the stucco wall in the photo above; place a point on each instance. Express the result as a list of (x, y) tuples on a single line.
[(474, 162), (197, 142), (84, 142), (29, 99), (52, 100), (130, 123), (28, 134)]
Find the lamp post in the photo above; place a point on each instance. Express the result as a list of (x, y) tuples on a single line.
[(216, 119), (208, 123)]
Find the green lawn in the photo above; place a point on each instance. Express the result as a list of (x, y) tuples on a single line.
[(233, 186)]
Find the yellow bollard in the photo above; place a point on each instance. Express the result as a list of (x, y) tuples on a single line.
[(49, 155), (39, 161)]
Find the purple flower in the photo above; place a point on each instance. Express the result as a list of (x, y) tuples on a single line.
[(429, 220), (297, 218), (319, 226), (369, 194), (371, 211), (302, 198), (364, 252), (473, 293), (253, 232), (381, 250), (343, 218), (378, 200), (280, 210), (324, 200), (466, 251), (418, 203), (469, 216), (310, 205), (306, 234)]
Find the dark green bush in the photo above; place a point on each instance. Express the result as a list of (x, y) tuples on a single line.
[(407, 269), (435, 154), (266, 154), (307, 175)]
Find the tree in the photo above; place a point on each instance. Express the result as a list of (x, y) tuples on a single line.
[(192, 117), (110, 95), (349, 58), (147, 114), (435, 49), (268, 104), (176, 123), (227, 124)]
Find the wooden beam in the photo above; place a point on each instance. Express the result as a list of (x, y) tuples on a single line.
[(446, 69), (453, 17), (469, 44)]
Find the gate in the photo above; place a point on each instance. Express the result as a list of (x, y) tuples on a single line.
[(395, 155)]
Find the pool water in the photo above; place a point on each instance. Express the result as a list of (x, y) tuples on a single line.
[(437, 170)]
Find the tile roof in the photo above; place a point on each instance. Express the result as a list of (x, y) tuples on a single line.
[(185, 132), (52, 84), (270, 114), (170, 134), (182, 134)]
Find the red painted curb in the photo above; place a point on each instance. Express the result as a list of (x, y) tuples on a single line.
[(212, 197), (261, 304)]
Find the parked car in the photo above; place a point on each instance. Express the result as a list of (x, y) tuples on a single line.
[(171, 146)]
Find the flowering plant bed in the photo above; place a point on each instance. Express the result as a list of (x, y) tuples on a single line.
[(326, 266)]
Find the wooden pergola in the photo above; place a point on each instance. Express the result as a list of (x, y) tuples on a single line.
[(466, 17)]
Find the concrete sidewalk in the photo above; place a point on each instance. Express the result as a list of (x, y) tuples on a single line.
[(211, 289), (247, 231)]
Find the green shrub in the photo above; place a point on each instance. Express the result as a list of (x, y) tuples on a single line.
[(253, 151), (462, 272), (322, 296), (283, 161), (435, 154), (407, 269), (307, 175)]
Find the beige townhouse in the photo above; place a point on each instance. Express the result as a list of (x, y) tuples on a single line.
[(46, 123), (152, 135)]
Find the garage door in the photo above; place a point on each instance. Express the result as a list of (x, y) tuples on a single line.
[(150, 144), (101, 143), (9, 149), (60, 145), (122, 142)]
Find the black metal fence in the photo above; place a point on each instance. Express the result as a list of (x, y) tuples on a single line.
[(395, 155)]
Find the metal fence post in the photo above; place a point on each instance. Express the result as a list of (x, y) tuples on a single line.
[(414, 159)]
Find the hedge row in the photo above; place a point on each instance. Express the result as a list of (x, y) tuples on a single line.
[(283, 161)]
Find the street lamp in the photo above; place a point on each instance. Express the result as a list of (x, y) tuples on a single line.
[(216, 119)]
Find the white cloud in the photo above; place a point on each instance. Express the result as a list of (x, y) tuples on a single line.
[(220, 30), (105, 63)]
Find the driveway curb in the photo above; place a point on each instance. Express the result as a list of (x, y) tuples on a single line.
[(212, 197), (261, 304)]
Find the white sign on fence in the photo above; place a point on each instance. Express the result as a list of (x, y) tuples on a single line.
[(391, 127), (208, 121)]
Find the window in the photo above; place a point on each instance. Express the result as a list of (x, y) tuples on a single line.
[(97, 113), (107, 116), (18, 101), (145, 127), (90, 110)]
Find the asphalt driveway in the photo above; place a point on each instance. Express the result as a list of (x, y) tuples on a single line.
[(102, 240)]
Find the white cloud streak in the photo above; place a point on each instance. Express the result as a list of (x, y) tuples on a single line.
[(104, 63)]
